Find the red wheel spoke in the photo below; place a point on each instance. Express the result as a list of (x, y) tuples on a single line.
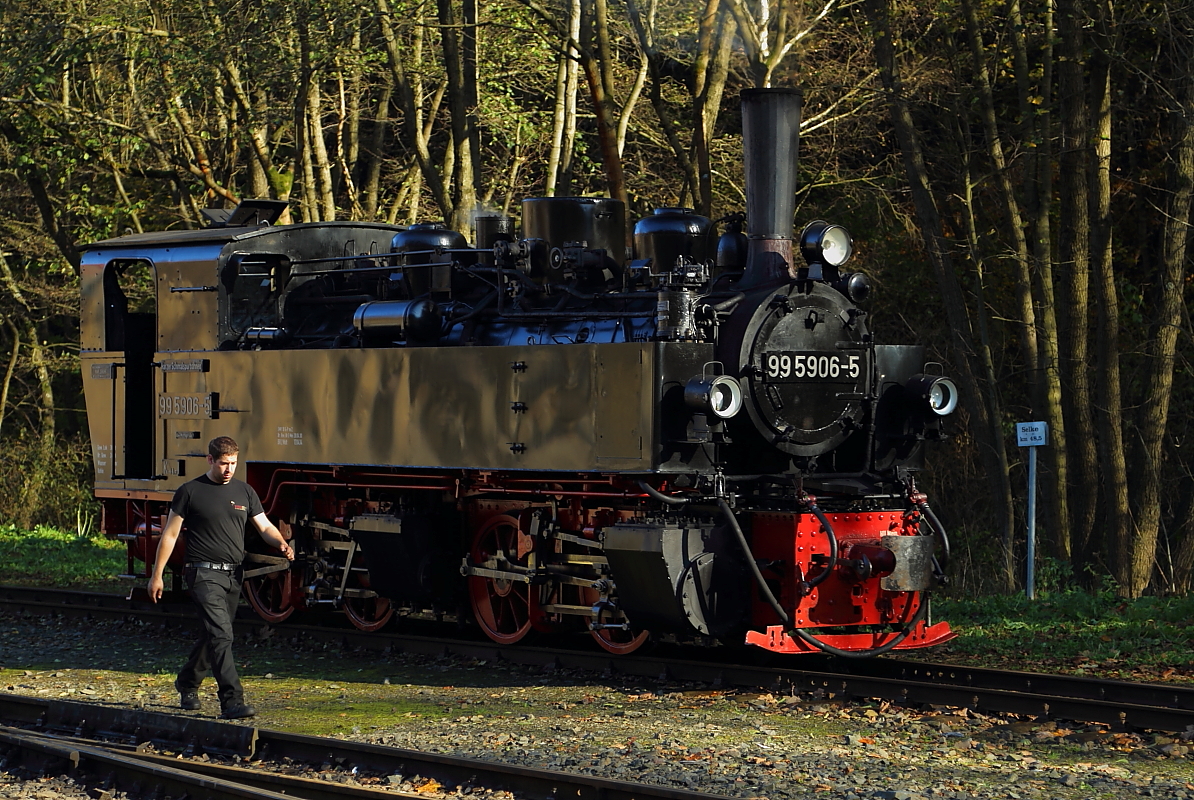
[(503, 609), (271, 596)]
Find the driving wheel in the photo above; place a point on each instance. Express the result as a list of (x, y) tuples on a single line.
[(506, 609)]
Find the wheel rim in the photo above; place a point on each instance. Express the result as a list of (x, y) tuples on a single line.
[(368, 613), (504, 609), (271, 596), (614, 640), (620, 642)]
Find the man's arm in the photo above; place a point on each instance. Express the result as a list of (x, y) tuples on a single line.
[(165, 548), (272, 535)]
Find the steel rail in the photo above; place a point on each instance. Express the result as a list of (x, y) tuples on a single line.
[(1155, 706), (122, 773), (290, 785), (134, 726)]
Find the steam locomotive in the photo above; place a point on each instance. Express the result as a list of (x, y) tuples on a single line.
[(695, 439)]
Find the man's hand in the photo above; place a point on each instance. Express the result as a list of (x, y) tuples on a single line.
[(271, 534), (170, 532)]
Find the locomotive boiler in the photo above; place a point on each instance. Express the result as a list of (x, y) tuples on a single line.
[(694, 438)]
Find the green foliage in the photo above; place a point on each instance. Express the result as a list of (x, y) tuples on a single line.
[(78, 559), (1073, 629), (64, 499)]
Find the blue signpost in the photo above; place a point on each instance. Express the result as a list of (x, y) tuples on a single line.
[(1031, 435)]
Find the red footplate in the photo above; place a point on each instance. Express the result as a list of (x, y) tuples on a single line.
[(776, 639)]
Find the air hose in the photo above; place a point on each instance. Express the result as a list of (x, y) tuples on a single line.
[(660, 496), (938, 529), (807, 637), (764, 589), (812, 506)]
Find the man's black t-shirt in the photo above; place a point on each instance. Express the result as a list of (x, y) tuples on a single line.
[(215, 515)]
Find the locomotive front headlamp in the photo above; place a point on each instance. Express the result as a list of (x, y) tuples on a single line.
[(824, 243), (938, 392), (719, 395)]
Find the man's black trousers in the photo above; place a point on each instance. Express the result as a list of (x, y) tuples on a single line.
[(216, 593)]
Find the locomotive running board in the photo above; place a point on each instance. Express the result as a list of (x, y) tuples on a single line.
[(777, 640)]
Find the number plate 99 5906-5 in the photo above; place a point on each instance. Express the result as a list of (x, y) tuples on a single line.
[(845, 367), (188, 406)]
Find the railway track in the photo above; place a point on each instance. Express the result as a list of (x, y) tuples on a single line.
[(145, 753), (1145, 706)]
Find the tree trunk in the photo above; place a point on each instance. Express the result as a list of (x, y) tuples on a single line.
[(27, 169), (557, 121), (1109, 410), (464, 197), (1183, 556), (322, 165), (35, 472), (1040, 194), (986, 362), (1026, 325), (711, 69), (679, 149), (607, 139), (11, 369), (411, 112), (1135, 556), (347, 125), (375, 153), (1075, 238), (937, 251), (1039, 352)]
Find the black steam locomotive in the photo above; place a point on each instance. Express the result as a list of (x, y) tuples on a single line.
[(696, 438)]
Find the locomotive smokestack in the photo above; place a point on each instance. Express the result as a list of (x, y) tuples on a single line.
[(770, 142)]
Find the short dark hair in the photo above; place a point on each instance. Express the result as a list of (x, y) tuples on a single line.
[(222, 446)]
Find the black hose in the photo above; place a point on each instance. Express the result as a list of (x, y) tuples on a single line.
[(660, 496), (875, 651), (474, 311), (939, 529), (812, 506), (726, 305), (764, 589)]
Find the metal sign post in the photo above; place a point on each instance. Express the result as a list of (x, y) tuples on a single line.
[(1031, 435)]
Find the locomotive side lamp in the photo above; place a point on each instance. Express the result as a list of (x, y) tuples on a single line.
[(718, 395), (825, 248), (939, 392), (854, 285)]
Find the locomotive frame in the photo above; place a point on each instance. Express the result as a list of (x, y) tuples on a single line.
[(536, 431)]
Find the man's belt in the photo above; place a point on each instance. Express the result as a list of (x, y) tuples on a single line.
[(212, 565)]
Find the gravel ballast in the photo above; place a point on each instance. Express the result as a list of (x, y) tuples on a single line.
[(737, 743)]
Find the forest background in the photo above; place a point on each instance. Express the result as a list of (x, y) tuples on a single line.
[(1017, 178)]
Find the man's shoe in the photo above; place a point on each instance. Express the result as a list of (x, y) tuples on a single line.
[(239, 711), (189, 701)]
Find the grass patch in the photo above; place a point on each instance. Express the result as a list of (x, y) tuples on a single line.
[(1151, 638), (49, 557)]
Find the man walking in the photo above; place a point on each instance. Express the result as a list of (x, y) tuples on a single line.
[(215, 508)]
